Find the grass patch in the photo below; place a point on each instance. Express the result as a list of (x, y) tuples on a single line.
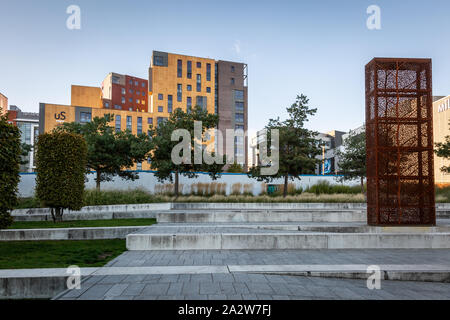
[(58, 254), (82, 223)]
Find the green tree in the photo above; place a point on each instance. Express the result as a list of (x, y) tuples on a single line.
[(162, 154), (443, 150), (235, 168), (298, 146), (10, 151), (110, 153), (352, 159), (61, 167)]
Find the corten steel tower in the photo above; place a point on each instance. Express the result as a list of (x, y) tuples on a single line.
[(399, 142)]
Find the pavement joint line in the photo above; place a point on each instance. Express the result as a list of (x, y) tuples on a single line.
[(102, 271)]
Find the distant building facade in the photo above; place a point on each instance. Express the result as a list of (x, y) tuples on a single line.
[(3, 104), (28, 124), (175, 81)]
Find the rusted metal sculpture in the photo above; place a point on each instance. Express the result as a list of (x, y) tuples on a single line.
[(399, 142)]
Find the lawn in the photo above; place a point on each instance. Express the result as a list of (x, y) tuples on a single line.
[(58, 254), (82, 223)]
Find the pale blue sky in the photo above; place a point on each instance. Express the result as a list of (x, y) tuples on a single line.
[(318, 48)]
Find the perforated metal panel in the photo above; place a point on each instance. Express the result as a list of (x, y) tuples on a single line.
[(399, 142)]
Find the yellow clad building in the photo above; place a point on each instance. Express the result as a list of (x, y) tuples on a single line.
[(175, 81), (441, 129)]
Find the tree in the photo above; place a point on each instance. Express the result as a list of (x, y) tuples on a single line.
[(235, 168), (10, 151), (110, 152), (443, 150), (61, 167), (352, 159), (298, 146), (163, 145)]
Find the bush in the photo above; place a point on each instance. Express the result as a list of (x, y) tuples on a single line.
[(99, 198), (10, 150), (325, 187), (61, 166)]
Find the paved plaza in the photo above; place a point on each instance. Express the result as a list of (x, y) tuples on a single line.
[(248, 286)]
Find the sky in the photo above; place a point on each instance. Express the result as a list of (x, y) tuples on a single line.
[(318, 48)]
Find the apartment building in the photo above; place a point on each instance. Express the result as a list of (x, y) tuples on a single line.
[(28, 124), (124, 92), (3, 104), (175, 81), (220, 87)]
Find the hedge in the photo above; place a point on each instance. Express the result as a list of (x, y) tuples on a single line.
[(61, 167)]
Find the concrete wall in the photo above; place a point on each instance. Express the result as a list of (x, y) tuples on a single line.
[(148, 181)]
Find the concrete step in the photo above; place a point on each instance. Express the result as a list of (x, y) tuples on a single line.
[(263, 216), (216, 238)]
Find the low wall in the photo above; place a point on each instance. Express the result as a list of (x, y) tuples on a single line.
[(147, 181), (67, 233)]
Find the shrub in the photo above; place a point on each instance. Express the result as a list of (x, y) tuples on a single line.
[(10, 150), (60, 165), (235, 168), (236, 188), (325, 187)]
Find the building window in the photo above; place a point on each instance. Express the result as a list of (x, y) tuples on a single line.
[(199, 64), (118, 123), (138, 101), (130, 100), (239, 106), (143, 84), (189, 87), (150, 121), (106, 104), (139, 166), (136, 83), (189, 69), (189, 104), (158, 61), (85, 117), (130, 91), (143, 93), (131, 82), (202, 102), (208, 72), (232, 69), (179, 68), (199, 82), (115, 79), (179, 92), (160, 96), (238, 95), (129, 123), (232, 81), (208, 89), (149, 160), (116, 106), (123, 91), (169, 103), (138, 92), (160, 109), (160, 120), (139, 125), (239, 117), (123, 100), (239, 127)]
